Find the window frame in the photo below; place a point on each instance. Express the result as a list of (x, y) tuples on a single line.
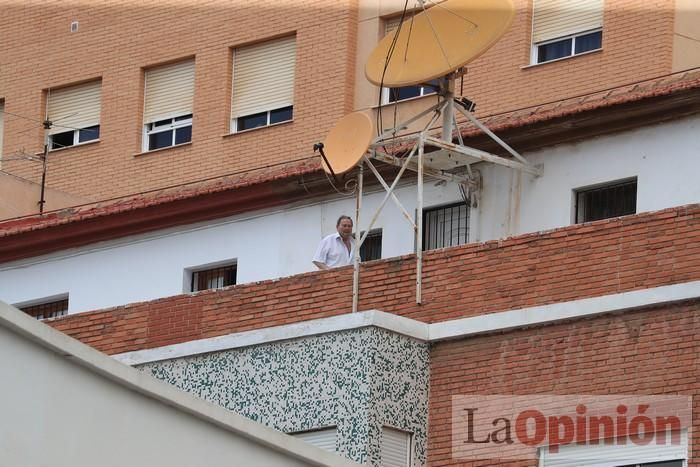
[(427, 210), (76, 138), (534, 53), (577, 192), (42, 302), (191, 272), (373, 234), (268, 117), (151, 128), (386, 93)]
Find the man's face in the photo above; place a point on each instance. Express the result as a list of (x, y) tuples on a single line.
[(345, 228)]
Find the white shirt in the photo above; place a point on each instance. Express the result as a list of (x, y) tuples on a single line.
[(333, 253)]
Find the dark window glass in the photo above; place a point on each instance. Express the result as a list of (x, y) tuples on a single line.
[(445, 226), (214, 278), (588, 42), (281, 115), (618, 199), (88, 134), (398, 94), (47, 310), (167, 122), (160, 140), (371, 248), (554, 50), (62, 140), (183, 135), (183, 117), (251, 121)]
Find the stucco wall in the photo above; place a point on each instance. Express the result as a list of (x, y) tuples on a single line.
[(65, 405), (356, 380)]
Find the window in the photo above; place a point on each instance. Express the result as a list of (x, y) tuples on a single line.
[(445, 226), (371, 248), (622, 453), (606, 201), (407, 92), (263, 84), (324, 438), (47, 309), (168, 105), (562, 28), (395, 448), (214, 278), (75, 114)]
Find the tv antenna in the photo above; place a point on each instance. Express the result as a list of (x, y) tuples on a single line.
[(433, 45)]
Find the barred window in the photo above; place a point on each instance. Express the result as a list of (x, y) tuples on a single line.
[(214, 278), (445, 226), (606, 201), (46, 310), (371, 248)]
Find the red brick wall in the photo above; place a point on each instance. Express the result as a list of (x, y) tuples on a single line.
[(117, 39), (595, 259), (652, 351)]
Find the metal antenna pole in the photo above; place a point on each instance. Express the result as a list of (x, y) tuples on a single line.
[(44, 158), (356, 256), (447, 86)]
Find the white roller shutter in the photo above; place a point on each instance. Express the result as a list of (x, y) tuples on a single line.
[(168, 91), (396, 448), (74, 107), (558, 18), (324, 439), (263, 77), (605, 455)]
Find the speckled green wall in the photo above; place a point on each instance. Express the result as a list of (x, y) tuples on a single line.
[(356, 380)]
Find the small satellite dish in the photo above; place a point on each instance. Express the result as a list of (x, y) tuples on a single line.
[(438, 41), (347, 142)]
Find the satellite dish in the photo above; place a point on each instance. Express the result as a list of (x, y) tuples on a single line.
[(347, 142), (438, 41)]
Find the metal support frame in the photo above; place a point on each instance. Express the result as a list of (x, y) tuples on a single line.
[(446, 110)]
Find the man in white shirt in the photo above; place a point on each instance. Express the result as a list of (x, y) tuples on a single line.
[(337, 249)]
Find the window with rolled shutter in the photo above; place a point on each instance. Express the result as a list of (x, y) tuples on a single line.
[(396, 448), (668, 451), (263, 83), (325, 438), (74, 113), (167, 114), (561, 28), (406, 92)]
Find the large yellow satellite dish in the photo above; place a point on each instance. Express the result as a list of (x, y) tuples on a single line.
[(347, 142), (438, 41)]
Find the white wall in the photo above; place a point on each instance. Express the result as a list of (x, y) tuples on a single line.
[(665, 158), (67, 405)]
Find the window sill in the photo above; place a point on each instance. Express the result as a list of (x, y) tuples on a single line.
[(286, 122), (568, 57), (145, 153), (79, 145)]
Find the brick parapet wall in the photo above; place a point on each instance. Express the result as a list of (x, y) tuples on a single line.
[(581, 261), (650, 351)]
